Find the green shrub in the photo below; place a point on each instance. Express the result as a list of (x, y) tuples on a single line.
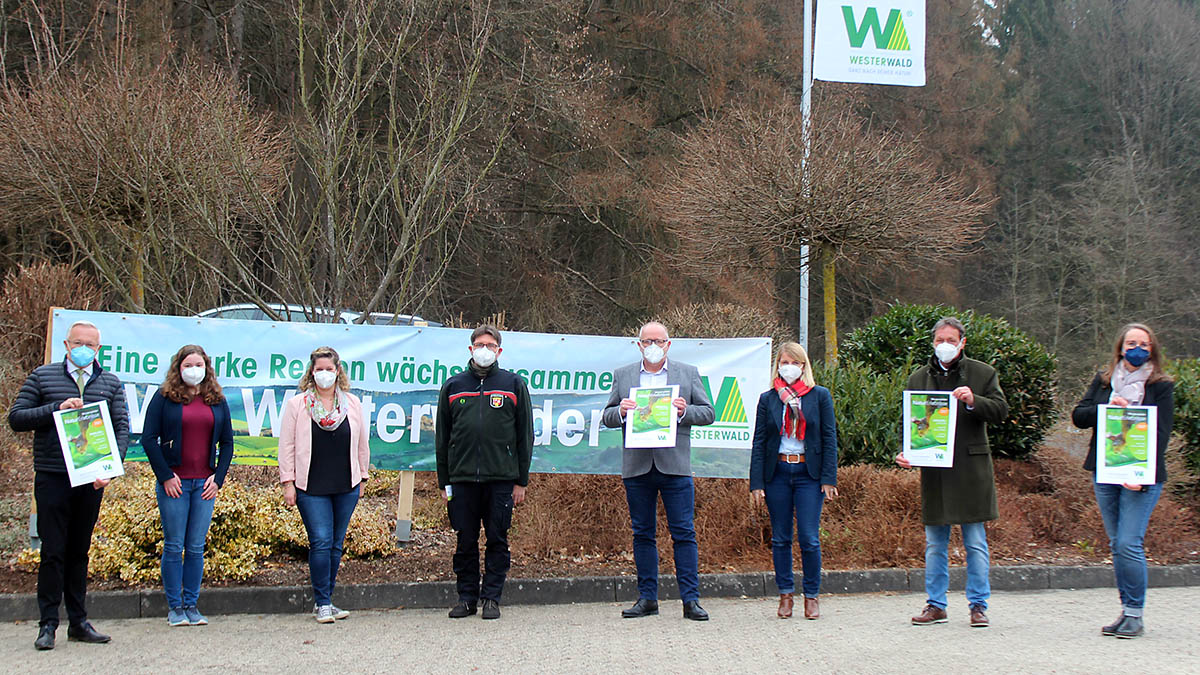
[(899, 340), (1187, 407), (866, 406)]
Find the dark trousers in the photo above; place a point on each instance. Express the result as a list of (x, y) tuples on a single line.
[(490, 504), (65, 518), (679, 501)]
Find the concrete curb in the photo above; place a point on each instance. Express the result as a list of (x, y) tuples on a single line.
[(426, 594)]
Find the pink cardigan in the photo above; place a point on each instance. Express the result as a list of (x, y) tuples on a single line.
[(295, 442)]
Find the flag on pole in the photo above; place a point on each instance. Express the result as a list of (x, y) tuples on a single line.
[(871, 42)]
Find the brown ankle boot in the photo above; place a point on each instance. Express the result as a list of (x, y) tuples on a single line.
[(812, 609), (785, 606)]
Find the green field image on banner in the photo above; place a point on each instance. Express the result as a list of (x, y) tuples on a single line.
[(1127, 437), (930, 420)]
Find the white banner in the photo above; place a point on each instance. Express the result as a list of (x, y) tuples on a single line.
[(397, 371), (871, 42)]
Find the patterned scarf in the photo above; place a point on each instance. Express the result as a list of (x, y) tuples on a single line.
[(1130, 384), (793, 416), (327, 420)]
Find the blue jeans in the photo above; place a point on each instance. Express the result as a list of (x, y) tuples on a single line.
[(679, 501), (1126, 514), (326, 518), (185, 521), (793, 493), (937, 563)]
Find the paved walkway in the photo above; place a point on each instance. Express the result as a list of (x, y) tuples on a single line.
[(1040, 631)]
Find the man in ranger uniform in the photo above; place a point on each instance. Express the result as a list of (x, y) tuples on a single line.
[(484, 445)]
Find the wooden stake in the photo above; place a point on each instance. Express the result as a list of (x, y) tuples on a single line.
[(404, 507)]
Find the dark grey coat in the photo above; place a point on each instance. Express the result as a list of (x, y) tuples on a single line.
[(966, 492), (44, 390)]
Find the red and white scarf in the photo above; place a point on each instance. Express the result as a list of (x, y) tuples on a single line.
[(793, 416)]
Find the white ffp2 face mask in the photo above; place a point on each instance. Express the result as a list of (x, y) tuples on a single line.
[(483, 357), (324, 378), (946, 352), (790, 372), (192, 375), (654, 354)]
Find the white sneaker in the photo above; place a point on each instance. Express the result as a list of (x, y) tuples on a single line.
[(325, 614), (338, 612)]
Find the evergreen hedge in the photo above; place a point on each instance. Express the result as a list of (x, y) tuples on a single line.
[(892, 345)]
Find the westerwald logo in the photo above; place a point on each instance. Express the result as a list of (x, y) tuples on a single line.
[(871, 42), (731, 423), (892, 37)]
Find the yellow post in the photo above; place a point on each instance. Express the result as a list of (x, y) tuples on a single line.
[(404, 507), (829, 286)]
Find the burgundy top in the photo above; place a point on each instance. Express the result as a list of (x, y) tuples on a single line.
[(197, 440)]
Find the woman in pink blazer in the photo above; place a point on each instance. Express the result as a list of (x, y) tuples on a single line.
[(324, 453)]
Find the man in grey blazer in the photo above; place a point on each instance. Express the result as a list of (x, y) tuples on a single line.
[(650, 472)]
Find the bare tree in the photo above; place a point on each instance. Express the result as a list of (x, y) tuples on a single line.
[(105, 155), (384, 179), (735, 200)]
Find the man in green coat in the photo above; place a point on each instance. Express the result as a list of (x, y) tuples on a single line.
[(964, 494)]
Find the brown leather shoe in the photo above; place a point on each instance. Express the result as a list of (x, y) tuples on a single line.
[(929, 616), (812, 609), (978, 617), (785, 606)]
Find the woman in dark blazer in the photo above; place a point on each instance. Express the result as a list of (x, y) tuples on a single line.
[(1134, 376), (793, 468), (188, 438)]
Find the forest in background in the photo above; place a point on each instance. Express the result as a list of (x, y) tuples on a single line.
[(583, 165)]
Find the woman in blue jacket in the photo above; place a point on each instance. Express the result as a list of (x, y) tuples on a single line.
[(793, 467), (188, 438)]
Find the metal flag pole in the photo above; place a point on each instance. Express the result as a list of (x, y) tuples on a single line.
[(806, 140)]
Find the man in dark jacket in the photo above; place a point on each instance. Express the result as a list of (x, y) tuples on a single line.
[(484, 446), (964, 494), (65, 514)]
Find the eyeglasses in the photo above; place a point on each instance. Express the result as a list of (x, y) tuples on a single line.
[(660, 343), (486, 345)]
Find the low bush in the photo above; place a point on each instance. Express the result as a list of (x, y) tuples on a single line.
[(866, 407), (899, 340), (720, 320), (249, 523), (1187, 407)]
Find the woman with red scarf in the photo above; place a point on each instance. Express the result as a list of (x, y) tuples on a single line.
[(793, 467)]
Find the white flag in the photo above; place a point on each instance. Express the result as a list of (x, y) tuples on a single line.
[(871, 42)]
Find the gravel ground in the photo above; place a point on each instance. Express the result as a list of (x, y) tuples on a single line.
[(1044, 631)]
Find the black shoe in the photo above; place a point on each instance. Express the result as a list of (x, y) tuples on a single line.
[(642, 607), (1130, 627), (462, 609), (692, 610), (491, 609), (1111, 629), (84, 632), (45, 638)]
